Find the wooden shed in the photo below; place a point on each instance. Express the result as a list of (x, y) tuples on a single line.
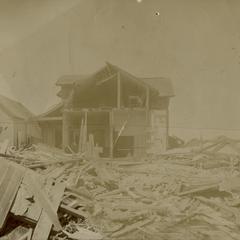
[(15, 123)]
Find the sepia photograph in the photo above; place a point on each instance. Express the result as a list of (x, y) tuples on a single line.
[(119, 120)]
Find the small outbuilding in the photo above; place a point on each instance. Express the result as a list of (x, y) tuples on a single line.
[(15, 123)]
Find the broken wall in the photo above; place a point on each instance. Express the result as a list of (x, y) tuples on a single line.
[(132, 123)]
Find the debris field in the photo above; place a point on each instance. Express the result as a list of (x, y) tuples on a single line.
[(192, 192)]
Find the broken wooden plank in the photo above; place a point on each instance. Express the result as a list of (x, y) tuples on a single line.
[(10, 182), (72, 211), (106, 79), (81, 191), (132, 227), (65, 161), (25, 204), (19, 233), (201, 189), (44, 201), (221, 205), (27, 235), (44, 225), (83, 234)]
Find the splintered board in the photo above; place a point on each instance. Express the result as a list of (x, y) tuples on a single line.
[(38, 200), (46, 220), (10, 179)]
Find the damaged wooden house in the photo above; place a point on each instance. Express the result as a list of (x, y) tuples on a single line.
[(124, 115)]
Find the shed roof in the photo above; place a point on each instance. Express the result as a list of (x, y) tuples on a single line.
[(14, 109)]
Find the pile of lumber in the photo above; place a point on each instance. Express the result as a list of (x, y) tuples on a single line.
[(34, 196), (177, 195)]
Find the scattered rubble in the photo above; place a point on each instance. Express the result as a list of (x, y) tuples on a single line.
[(175, 142), (185, 193)]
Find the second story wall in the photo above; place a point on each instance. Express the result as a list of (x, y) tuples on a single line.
[(105, 95)]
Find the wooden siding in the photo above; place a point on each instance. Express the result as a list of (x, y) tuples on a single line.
[(6, 127), (52, 133), (159, 129)]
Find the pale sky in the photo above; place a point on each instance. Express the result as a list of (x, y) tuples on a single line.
[(196, 43)]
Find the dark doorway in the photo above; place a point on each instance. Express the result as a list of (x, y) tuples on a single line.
[(124, 146)]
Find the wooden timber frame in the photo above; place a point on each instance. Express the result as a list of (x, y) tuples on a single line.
[(86, 112), (120, 121), (117, 118), (118, 91), (68, 111)]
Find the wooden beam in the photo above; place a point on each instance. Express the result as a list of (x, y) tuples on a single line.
[(118, 91), (200, 189), (49, 212), (90, 110), (106, 79), (78, 158), (147, 97), (44, 225), (10, 180), (74, 212), (132, 227), (50, 119), (111, 134)]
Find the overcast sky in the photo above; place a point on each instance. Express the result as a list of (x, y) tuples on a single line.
[(196, 43)]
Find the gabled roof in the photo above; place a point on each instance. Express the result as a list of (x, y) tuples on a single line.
[(161, 84), (14, 109)]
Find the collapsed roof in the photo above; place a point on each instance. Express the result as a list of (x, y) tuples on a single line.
[(161, 84)]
